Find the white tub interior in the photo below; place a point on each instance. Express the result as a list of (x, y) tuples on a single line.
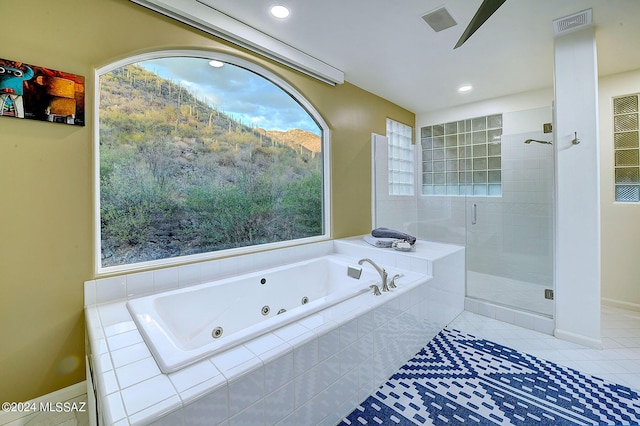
[(179, 325)]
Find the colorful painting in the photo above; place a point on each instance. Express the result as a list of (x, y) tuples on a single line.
[(38, 93)]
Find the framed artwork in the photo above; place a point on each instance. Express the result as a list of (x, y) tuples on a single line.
[(38, 93)]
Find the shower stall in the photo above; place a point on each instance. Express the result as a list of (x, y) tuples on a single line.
[(486, 183), (509, 239)]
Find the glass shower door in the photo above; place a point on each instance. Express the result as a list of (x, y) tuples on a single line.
[(509, 237)]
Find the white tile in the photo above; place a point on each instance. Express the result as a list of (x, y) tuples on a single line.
[(209, 270), (365, 323), (113, 313), (278, 372), (628, 342), (290, 332), (364, 348), (125, 339), (189, 275), (90, 296), (119, 327), (348, 333), (309, 413), (228, 266), (165, 279), (544, 325), (487, 310), (147, 393), (102, 362), (193, 375), (111, 289), (422, 266), (137, 372), (630, 366), (235, 361), (505, 315), (279, 404), (265, 343), (305, 356), (250, 416), (328, 344), (107, 383), (99, 346), (130, 354), (156, 412), (211, 409), (201, 389), (524, 320), (93, 323), (317, 322), (175, 418), (139, 283), (306, 386), (246, 263), (113, 408), (245, 391)]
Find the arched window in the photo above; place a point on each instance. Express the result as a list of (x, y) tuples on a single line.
[(202, 154)]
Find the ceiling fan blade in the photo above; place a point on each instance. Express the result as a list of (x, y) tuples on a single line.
[(486, 9)]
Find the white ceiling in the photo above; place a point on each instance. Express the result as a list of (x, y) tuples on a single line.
[(386, 48)]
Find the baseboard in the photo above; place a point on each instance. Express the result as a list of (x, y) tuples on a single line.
[(620, 304), (517, 317), (579, 339), (61, 395)]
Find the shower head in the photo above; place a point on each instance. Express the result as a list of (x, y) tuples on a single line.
[(528, 141)]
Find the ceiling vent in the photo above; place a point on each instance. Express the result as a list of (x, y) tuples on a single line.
[(439, 19), (572, 22)]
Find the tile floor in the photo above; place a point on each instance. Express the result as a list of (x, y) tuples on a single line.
[(618, 361)]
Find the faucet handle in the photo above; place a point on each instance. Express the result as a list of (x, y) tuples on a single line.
[(392, 283), (376, 289)]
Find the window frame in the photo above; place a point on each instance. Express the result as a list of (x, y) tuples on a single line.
[(173, 261)]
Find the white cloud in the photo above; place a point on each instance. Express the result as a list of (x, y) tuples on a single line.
[(236, 91)]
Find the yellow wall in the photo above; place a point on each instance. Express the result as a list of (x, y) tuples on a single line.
[(46, 173)]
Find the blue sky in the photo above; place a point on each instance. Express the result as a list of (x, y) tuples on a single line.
[(244, 95)]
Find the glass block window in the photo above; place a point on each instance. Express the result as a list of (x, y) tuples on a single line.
[(625, 145), (463, 157), (401, 168)]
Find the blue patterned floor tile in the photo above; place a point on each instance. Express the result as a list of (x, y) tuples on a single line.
[(459, 379)]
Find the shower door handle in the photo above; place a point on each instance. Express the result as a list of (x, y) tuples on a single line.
[(474, 214)]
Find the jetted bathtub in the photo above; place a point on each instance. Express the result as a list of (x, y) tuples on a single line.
[(186, 325)]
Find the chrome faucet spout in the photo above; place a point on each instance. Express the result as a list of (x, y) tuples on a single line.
[(381, 271)]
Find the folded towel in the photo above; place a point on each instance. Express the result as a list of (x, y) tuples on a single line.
[(379, 242), (392, 233)]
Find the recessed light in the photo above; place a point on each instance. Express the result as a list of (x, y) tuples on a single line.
[(280, 11), (465, 88), (215, 63)]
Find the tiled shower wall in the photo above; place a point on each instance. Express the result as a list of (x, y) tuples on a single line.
[(513, 234)]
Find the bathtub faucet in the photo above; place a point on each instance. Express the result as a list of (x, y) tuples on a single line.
[(381, 271)]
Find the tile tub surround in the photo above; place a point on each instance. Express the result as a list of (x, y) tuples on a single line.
[(309, 372)]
